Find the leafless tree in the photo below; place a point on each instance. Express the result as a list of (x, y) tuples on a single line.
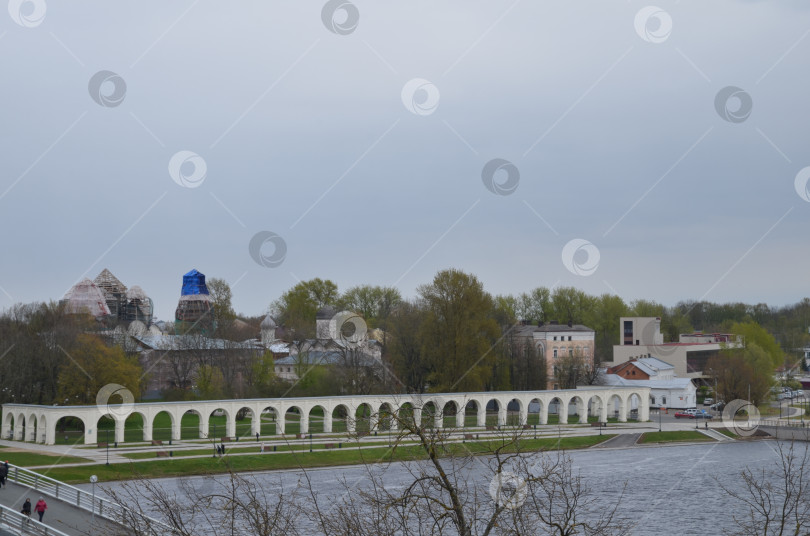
[(493, 486), (775, 501)]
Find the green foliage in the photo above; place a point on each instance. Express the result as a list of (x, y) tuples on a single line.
[(210, 382), (756, 335), (374, 303), (458, 332), (221, 305), (92, 365), (297, 307)]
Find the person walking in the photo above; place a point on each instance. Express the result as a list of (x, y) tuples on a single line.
[(3, 474), (26, 509), (40, 508)]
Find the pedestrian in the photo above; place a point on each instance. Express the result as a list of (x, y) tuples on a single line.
[(40, 508), (257, 436), (26, 509), (3, 475)]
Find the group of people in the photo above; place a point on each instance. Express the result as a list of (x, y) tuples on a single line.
[(41, 505), (40, 508)]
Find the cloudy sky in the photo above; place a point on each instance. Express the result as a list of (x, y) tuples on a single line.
[(652, 152)]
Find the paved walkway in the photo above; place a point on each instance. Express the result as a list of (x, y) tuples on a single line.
[(59, 515)]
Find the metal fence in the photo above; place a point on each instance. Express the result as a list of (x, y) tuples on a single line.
[(19, 523), (80, 498)]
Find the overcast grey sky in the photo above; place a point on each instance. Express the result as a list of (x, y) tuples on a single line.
[(357, 132)]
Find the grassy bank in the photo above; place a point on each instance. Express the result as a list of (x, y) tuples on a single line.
[(292, 460), (669, 437)]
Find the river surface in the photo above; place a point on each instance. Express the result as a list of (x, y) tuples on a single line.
[(671, 490)]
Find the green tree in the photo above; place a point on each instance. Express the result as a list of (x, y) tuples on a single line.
[(754, 334), (405, 346), (744, 373), (296, 308), (221, 306), (91, 365), (210, 382), (459, 331)]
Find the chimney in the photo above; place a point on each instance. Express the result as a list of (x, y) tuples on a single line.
[(541, 324), (570, 324)]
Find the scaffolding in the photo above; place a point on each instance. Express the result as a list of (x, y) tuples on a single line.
[(115, 292), (194, 307), (139, 306), (86, 297)]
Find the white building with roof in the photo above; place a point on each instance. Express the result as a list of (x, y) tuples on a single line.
[(666, 389)]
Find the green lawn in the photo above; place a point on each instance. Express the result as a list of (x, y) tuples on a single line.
[(667, 437), (31, 459), (196, 466)]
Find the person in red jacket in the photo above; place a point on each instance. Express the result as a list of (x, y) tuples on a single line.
[(40, 508)]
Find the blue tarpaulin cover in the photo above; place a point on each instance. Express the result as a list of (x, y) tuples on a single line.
[(193, 283)]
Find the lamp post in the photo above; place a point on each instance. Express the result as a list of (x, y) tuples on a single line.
[(107, 442), (659, 420), (93, 480)]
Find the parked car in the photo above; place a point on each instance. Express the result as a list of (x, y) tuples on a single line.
[(708, 401), (718, 406), (693, 414)]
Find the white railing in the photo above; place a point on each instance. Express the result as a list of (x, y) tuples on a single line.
[(82, 499), (19, 523)]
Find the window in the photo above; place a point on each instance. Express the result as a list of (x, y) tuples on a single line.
[(569, 337), (664, 400), (570, 352), (555, 337), (555, 351), (585, 350)]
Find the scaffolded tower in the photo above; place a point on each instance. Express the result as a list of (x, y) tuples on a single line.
[(86, 297), (194, 308), (139, 306), (115, 292)]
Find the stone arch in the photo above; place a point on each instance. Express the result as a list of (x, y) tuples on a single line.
[(135, 427), (244, 420), (270, 421), (220, 423), (494, 409), (515, 412), (31, 424), (556, 411), (617, 407), (577, 404), (533, 411), (633, 404), (407, 414), (42, 428), (193, 425), (474, 413), (70, 429), (20, 427), (341, 419), (293, 419), (430, 412), (450, 414), (163, 424), (106, 426), (8, 426), (318, 415), (386, 419), (363, 418), (597, 409)]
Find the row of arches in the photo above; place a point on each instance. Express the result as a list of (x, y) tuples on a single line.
[(146, 422)]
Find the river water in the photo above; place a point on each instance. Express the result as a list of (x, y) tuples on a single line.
[(671, 490)]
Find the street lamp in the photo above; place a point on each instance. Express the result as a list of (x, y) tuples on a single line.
[(107, 443), (93, 480)]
